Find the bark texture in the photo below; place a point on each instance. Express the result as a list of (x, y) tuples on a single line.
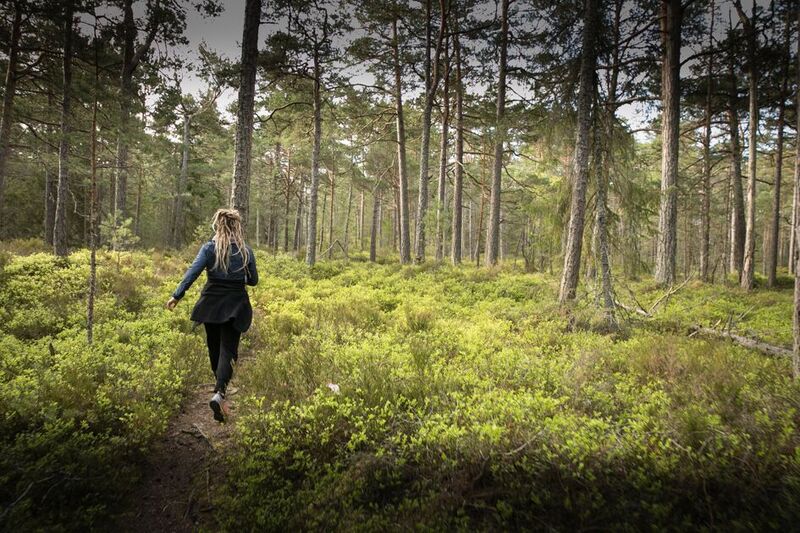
[(574, 242)]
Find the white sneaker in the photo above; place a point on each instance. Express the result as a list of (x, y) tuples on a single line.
[(216, 406)]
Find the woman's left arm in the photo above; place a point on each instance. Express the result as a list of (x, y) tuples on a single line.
[(252, 272)]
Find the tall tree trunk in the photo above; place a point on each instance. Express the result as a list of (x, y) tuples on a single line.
[(737, 194), (298, 219), (493, 228), (286, 204), (795, 259), (240, 188), (458, 179), (441, 192), (671, 20), (347, 220), (51, 183), (431, 83), (9, 91), (705, 212), (775, 215), (572, 252), (373, 233), (60, 227), (748, 269), (330, 221), (177, 205), (405, 236), (93, 199), (361, 222), (131, 57), (311, 242)]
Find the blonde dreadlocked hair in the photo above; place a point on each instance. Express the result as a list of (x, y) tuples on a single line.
[(227, 224)]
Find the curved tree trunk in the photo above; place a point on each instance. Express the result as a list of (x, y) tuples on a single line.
[(671, 15), (493, 228), (572, 252), (240, 189)]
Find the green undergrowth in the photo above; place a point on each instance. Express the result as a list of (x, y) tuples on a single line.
[(382, 397), (75, 419), (764, 314), (467, 401)]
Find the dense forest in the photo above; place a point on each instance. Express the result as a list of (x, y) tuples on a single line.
[(528, 265)]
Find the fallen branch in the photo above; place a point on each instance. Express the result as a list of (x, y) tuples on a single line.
[(747, 342)]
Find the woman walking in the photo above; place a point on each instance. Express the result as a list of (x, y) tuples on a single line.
[(224, 307)]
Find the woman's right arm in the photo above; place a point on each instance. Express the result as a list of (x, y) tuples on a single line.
[(198, 265)]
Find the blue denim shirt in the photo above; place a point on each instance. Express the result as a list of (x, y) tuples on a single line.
[(205, 261)]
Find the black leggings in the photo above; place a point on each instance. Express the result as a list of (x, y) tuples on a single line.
[(223, 349)]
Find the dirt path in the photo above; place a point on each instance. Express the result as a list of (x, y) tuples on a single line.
[(183, 470)]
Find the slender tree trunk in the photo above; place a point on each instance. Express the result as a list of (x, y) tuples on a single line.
[(9, 91), (311, 242), (572, 252), (772, 254), (298, 220), (361, 221), (330, 221), (441, 192), (93, 200), (405, 236), (321, 238), (795, 259), (458, 179), (286, 205), (431, 83), (60, 227), (347, 220), (671, 19), (376, 217), (177, 206), (493, 228), (240, 187), (737, 194), (51, 184), (705, 213)]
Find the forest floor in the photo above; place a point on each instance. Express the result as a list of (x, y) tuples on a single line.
[(184, 469)]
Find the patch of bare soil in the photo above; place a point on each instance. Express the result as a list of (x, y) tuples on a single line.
[(183, 470)]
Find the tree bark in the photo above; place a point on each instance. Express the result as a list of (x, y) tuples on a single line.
[(330, 221), (493, 228), (671, 19), (240, 189), (458, 179), (572, 253), (311, 242), (60, 226), (9, 91), (441, 192), (405, 236), (431, 83), (131, 57), (177, 205), (705, 213), (346, 245), (737, 194), (748, 269), (373, 233), (795, 259)]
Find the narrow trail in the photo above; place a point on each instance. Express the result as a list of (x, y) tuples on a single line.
[(183, 470)]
